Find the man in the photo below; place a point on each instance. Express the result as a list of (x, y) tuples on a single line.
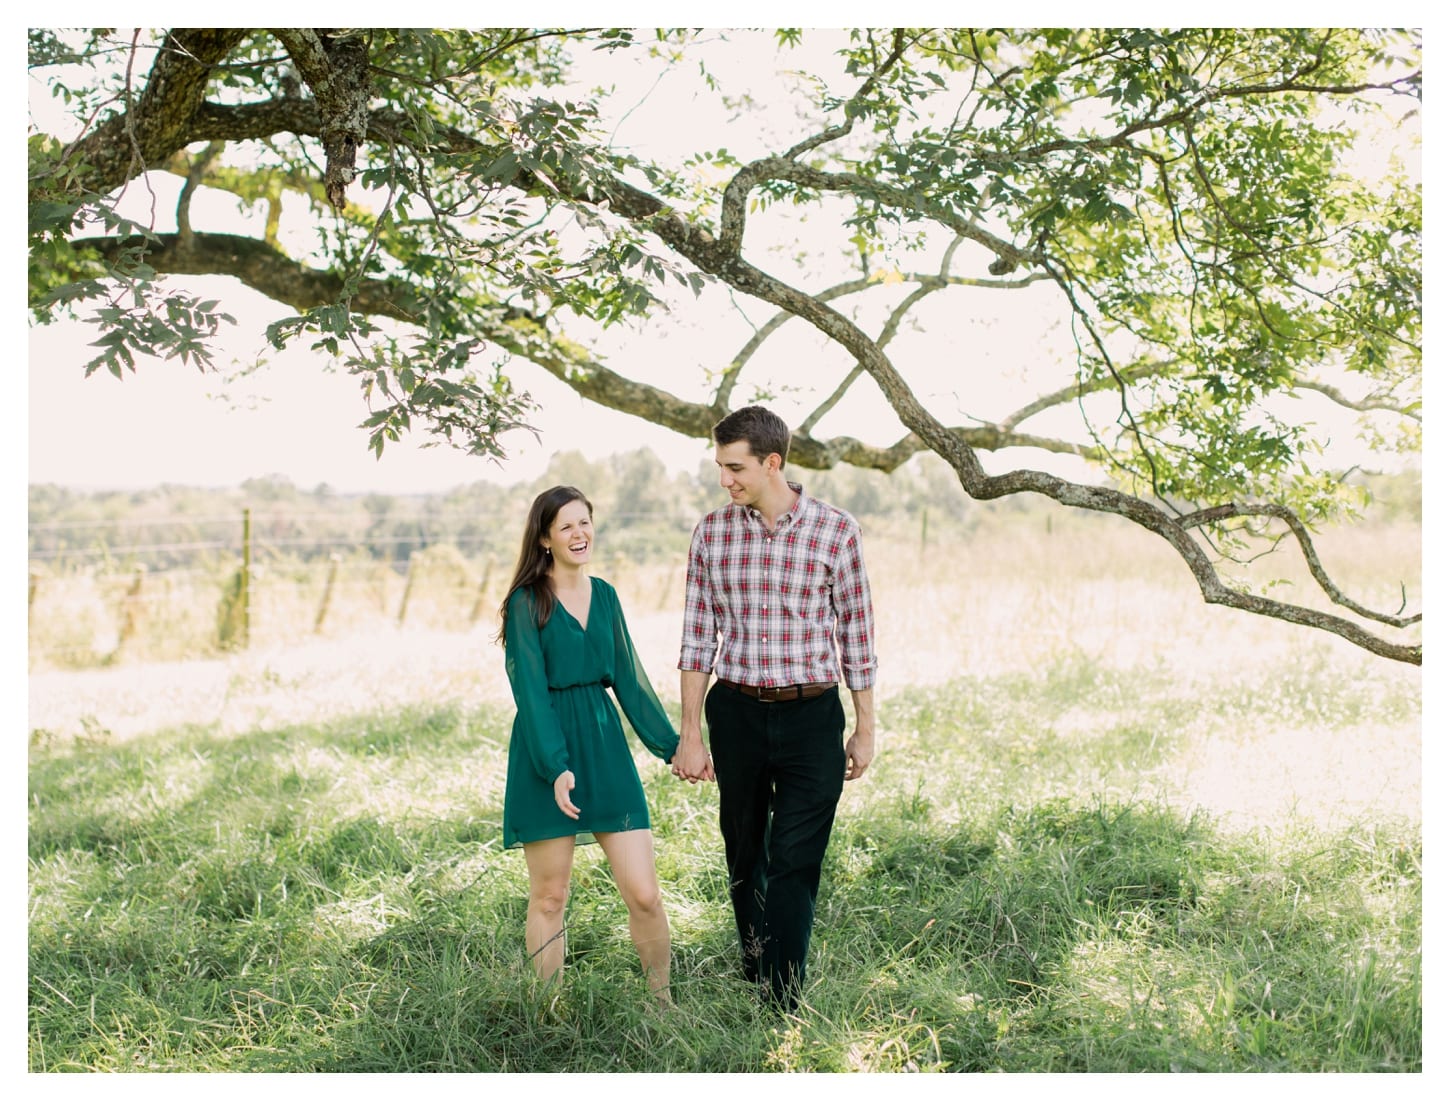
[(778, 607)]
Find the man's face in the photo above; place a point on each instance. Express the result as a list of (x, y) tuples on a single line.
[(742, 475)]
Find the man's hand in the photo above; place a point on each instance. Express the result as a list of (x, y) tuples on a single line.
[(692, 761), (861, 745), (860, 748)]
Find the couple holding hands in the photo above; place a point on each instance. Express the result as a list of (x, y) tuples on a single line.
[(778, 609)]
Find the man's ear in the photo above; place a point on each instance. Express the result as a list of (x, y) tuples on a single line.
[(772, 462)]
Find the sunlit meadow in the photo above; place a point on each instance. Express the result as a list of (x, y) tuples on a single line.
[(1108, 829)]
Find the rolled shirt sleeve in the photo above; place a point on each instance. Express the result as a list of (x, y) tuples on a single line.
[(700, 633), (855, 620)]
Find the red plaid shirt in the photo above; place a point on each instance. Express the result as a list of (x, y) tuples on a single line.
[(789, 606)]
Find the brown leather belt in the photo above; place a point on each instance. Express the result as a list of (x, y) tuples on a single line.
[(781, 693)]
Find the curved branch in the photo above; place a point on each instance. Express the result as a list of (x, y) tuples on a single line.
[(737, 191), (1364, 405), (195, 175), (1160, 367), (1010, 256), (335, 66), (1306, 545), (856, 286), (264, 268), (888, 331), (1078, 389), (705, 252)]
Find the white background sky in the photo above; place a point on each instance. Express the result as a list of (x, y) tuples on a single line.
[(170, 423)]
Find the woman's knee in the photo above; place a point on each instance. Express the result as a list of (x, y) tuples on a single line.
[(643, 899), (548, 899)]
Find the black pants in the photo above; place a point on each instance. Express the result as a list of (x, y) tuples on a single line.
[(780, 768)]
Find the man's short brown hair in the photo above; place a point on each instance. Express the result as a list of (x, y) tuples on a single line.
[(765, 432)]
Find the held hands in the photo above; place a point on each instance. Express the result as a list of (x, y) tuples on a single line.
[(692, 761), (563, 785)]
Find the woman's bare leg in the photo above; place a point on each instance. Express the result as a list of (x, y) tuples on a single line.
[(549, 863), (631, 856)]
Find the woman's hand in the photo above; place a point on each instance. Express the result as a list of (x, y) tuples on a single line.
[(563, 785)]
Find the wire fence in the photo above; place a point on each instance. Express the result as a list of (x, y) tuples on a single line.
[(107, 594)]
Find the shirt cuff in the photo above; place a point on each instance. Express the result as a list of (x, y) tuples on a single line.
[(697, 661), (859, 677)]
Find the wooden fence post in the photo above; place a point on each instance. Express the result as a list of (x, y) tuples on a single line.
[(245, 636), (332, 561), (34, 585), (407, 592), (482, 591), (131, 608)]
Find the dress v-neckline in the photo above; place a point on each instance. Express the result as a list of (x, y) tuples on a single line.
[(584, 623)]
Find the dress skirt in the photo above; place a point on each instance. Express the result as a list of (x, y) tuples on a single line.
[(607, 790), (570, 681)]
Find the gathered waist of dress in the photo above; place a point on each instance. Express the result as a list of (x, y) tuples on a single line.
[(602, 682)]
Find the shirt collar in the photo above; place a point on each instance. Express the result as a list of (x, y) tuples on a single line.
[(797, 510)]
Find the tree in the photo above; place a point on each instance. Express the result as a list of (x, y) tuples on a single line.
[(1188, 202)]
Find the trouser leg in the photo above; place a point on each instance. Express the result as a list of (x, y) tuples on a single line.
[(780, 769), (742, 774), (808, 764)]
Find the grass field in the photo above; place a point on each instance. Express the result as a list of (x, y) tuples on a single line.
[(1109, 829)]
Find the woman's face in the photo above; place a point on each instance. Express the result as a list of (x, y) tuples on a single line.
[(571, 535)]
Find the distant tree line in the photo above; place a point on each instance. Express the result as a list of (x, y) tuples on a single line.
[(644, 512)]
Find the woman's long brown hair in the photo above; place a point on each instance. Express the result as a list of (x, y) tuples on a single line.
[(532, 571)]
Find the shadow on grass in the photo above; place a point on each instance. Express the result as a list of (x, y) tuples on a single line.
[(334, 899)]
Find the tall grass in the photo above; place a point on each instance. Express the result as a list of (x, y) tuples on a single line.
[(1107, 830), (998, 896)]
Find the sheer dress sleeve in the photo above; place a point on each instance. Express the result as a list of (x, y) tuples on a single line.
[(633, 690), (537, 724)]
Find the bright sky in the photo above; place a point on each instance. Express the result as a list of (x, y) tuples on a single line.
[(170, 423)]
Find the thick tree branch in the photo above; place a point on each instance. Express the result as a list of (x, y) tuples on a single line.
[(264, 268), (161, 121), (334, 63), (699, 246)]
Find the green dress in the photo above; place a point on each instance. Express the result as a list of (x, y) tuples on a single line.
[(567, 721)]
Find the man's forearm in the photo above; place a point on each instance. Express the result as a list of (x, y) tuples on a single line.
[(861, 745), (692, 702), (864, 701)]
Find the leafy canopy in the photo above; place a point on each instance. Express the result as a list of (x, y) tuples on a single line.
[(1203, 207)]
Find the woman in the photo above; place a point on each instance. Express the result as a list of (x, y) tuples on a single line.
[(570, 771)]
